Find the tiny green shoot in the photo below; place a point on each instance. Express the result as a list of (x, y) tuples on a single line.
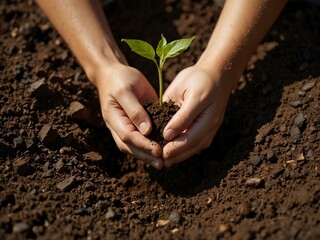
[(164, 51)]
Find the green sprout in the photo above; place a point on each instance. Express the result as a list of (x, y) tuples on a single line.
[(164, 51)]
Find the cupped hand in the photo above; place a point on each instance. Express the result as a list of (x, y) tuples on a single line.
[(122, 91), (202, 97)]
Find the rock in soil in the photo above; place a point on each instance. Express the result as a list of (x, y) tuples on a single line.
[(110, 213), (92, 156), (79, 112), (175, 218), (67, 184), (22, 167), (48, 134), (39, 89)]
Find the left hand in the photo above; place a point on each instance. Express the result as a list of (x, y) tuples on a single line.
[(202, 97)]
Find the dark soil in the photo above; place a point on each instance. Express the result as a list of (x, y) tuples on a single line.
[(62, 176), (160, 117)]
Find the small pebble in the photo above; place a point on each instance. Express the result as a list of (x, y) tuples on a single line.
[(255, 160), (223, 228), (244, 209), (92, 156), (259, 138), (175, 230), (18, 142), (21, 166), (270, 156), (30, 143), (60, 166), (293, 164), (255, 182), (67, 184), (79, 112), (39, 89), (295, 133), (47, 134), (300, 157), (175, 217), (110, 213), (295, 103), (14, 32), (20, 227), (308, 86), (65, 150), (162, 223), (33, 191), (299, 120)]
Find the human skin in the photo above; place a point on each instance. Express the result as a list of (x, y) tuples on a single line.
[(122, 89), (202, 90)]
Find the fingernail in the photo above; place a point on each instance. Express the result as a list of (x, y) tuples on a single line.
[(169, 134), (156, 154), (143, 127), (156, 164)]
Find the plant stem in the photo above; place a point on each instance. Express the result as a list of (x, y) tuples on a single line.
[(160, 86), (159, 67)]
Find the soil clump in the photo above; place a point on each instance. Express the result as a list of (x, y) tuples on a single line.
[(160, 117)]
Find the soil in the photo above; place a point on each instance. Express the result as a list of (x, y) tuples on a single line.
[(62, 176), (160, 117)]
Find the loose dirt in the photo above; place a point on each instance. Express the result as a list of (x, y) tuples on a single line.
[(160, 117), (62, 176)]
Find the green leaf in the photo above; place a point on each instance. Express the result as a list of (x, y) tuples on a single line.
[(162, 43), (140, 47), (176, 47)]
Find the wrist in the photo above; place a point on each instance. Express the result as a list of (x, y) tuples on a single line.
[(221, 70), (105, 60)]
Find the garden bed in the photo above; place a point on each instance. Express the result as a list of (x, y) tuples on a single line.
[(62, 176)]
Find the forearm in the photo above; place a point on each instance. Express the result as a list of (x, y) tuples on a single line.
[(240, 28), (84, 27)]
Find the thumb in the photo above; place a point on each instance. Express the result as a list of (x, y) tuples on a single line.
[(135, 112), (182, 119)]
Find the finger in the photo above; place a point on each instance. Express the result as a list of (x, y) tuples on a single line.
[(135, 111), (123, 129), (183, 118), (181, 153), (138, 153), (195, 139)]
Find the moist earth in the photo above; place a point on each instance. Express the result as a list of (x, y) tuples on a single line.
[(63, 177), (160, 117)]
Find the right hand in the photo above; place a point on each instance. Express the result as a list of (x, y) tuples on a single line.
[(202, 95), (122, 91)]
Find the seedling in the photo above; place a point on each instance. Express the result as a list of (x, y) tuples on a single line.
[(164, 51)]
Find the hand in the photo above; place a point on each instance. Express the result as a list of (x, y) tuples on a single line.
[(122, 90), (202, 97)]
